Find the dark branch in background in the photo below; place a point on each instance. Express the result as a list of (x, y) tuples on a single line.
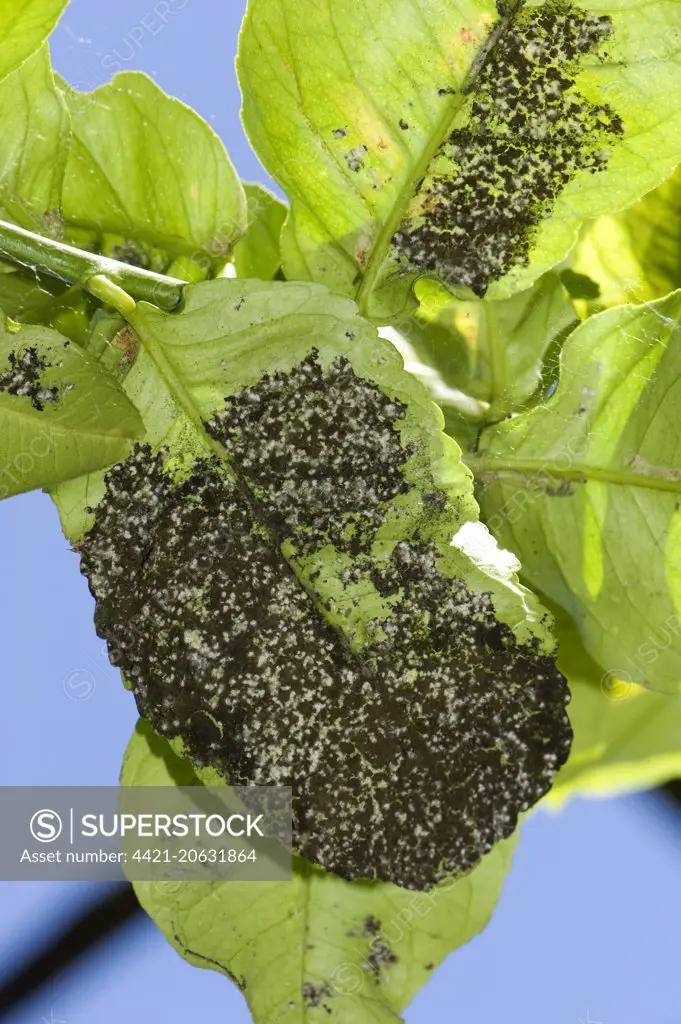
[(98, 923), (673, 790), (102, 921)]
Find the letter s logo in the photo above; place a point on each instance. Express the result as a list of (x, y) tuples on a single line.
[(46, 826)]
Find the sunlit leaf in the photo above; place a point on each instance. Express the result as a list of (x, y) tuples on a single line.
[(25, 25), (147, 179), (316, 946), (635, 255), (34, 138), (586, 490), (414, 137)]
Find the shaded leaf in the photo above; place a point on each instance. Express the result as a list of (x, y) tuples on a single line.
[(147, 180), (32, 298), (370, 116), (510, 342), (258, 254), (362, 950), (60, 414), (586, 490)]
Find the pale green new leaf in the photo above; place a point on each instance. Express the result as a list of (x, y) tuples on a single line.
[(626, 737), (636, 255), (258, 253), (349, 103), (25, 25), (586, 490), (61, 415), (34, 138), (147, 179), (273, 939)]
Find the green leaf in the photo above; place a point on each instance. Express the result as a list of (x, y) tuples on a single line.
[(258, 254), (509, 343), (636, 255), (32, 298), (61, 415), (292, 945), (370, 116), (25, 25), (309, 449), (626, 738), (147, 180), (482, 360), (586, 490), (34, 138)]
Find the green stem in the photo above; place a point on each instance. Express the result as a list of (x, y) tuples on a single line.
[(80, 267)]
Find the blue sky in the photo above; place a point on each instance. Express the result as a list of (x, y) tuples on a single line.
[(588, 926)]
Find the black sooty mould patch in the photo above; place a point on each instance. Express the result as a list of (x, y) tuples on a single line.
[(322, 449), (530, 131), (407, 761), (23, 378)]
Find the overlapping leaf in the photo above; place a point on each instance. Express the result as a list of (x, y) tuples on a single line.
[(34, 138), (25, 25), (586, 490), (147, 179), (61, 415), (258, 253), (626, 737), (316, 946), (635, 255), (366, 113)]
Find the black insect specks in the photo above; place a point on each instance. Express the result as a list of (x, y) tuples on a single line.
[(530, 131), (23, 378), (380, 957), (132, 254), (316, 995), (354, 158), (408, 759), (403, 125), (340, 133)]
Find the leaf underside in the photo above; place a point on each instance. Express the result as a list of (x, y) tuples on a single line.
[(318, 945), (413, 138), (295, 611), (598, 465)]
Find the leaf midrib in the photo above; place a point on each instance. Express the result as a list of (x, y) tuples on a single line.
[(578, 472), (442, 130)]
